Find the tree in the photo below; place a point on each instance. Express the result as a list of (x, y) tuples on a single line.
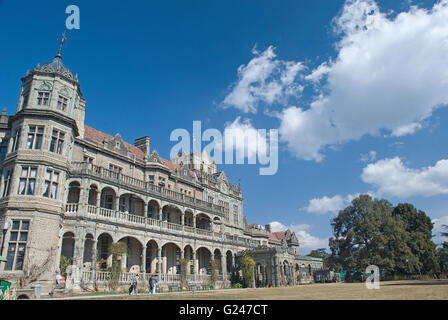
[(184, 263), (118, 250), (215, 268), (322, 254), (419, 227), (248, 264), (442, 253), (373, 232)]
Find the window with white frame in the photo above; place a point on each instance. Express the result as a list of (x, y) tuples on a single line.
[(43, 98), (35, 135), (27, 183), (51, 184), (17, 245), (16, 140), (7, 178), (62, 103), (57, 141)]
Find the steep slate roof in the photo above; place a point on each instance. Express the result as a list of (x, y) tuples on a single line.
[(277, 235), (98, 136)]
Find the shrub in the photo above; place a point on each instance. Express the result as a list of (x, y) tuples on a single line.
[(248, 264)]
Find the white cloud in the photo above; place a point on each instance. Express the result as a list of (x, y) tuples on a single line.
[(264, 79), (438, 228), (307, 242), (393, 178), (248, 140), (325, 205), (389, 75), (369, 157)]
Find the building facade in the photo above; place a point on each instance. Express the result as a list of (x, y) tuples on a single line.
[(70, 191)]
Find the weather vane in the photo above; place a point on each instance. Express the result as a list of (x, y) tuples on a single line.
[(64, 37)]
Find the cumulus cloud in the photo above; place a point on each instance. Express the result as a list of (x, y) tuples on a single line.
[(264, 79), (326, 204), (388, 76), (307, 242), (393, 178)]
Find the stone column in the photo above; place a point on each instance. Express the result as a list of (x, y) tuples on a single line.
[(94, 257), (183, 218), (116, 206), (160, 214), (144, 259), (145, 210), (98, 199), (276, 272), (224, 266), (195, 263), (159, 263)]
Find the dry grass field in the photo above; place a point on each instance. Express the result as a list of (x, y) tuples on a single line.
[(391, 290)]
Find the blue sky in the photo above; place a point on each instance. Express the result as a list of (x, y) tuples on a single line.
[(371, 119)]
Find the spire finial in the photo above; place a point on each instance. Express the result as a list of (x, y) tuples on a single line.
[(64, 37)]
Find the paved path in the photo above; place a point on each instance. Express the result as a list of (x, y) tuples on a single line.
[(84, 297)]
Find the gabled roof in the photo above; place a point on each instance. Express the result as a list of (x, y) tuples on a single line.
[(98, 136), (277, 235)]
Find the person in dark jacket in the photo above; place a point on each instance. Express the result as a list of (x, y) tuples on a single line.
[(152, 284)]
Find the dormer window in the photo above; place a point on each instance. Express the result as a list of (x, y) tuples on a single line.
[(62, 103), (43, 98)]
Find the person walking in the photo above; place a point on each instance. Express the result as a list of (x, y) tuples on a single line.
[(133, 287), (152, 284)]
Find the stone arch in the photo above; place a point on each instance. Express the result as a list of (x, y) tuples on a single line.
[(229, 261), (68, 246), (104, 250), (88, 252), (203, 221), (171, 255), (108, 198), (93, 195), (132, 261), (152, 248), (172, 213), (131, 204), (203, 255), (153, 209), (189, 218), (74, 191)]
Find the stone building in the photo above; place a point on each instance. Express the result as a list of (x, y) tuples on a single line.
[(71, 191)]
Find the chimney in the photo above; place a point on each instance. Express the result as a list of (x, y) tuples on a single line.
[(268, 228), (143, 144), (4, 117)]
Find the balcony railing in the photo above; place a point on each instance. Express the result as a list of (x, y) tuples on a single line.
[(127, 277), (82, 168), (126, 219)]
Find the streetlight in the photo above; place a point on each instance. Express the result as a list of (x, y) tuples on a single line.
[(5, 226)]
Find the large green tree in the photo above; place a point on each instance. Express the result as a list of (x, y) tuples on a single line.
[(419, 228), (442, 253), (373, 232)]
